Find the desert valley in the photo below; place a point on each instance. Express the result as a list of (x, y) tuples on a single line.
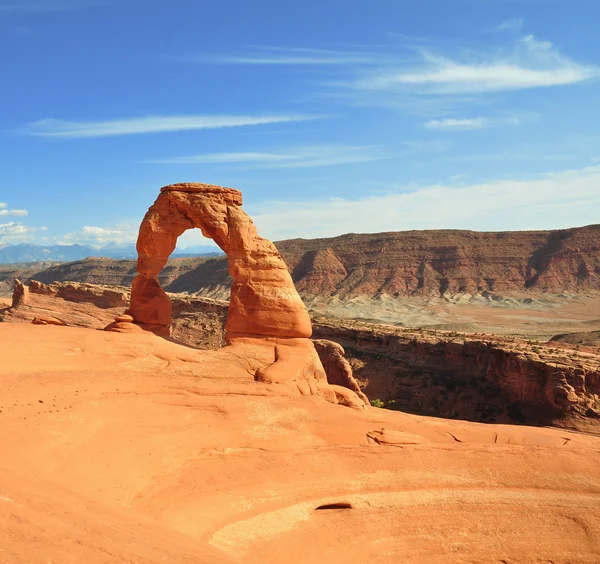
[(422, 397)]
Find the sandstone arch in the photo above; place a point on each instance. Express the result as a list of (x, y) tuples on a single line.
[(267, 321), (264, 301)]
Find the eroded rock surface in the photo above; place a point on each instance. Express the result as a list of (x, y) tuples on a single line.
[(76, 304), (263, 301), (265, 311), (128, 448), (472, 376), (20, 294), (337, 367), (439, 373)]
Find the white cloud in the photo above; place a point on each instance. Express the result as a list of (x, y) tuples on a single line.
[(151, 124), (298, 157), (287, 56), (557, 200), (125, 234), (529, 64), (513, 25), (122, 234), (470, 123), (451, 123), (17, 232), (4, 211), (19, 213), (46, 5)]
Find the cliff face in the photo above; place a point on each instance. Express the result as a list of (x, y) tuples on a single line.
[(477, 377), (409, 263), (433, 263)]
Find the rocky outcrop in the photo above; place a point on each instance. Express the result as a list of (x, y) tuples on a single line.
[(75, 304), (99, 295), (123, 324), (266, 317), (20, 295), (263, 300), (585, 339), (46, 320), (471, 376), (337, 368)]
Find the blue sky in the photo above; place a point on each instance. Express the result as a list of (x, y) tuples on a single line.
[(331, 116)]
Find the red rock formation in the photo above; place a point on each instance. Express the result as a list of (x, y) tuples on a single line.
[(438, 262), (264, 301), (20, 294), (36, 287), (472, 376), (337, 368), (266, 316), (83, 305)]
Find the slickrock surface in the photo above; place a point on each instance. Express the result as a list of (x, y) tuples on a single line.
[(76, 304), (470, 376), (128, 448)]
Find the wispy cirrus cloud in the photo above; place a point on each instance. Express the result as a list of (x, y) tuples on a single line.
[(295, 157), (47, 5), (457, 124), (465, 124), (152, 124), (513, 25), (287, 56), (4, 211), (530, 63)]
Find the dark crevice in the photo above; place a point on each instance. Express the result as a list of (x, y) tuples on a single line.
[(329, 506)]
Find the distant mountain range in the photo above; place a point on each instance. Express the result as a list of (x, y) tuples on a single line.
[(25, 252)]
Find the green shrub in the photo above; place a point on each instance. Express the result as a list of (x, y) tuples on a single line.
[(377, 403)]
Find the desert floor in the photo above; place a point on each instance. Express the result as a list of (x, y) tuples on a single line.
[(129, 448), (540, 317)]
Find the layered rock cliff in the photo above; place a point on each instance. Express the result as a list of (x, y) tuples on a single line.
[(433, 263), (405, 263), (471, 376)]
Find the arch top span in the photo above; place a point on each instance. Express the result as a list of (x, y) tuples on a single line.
[(230, 195), (264, 301)]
